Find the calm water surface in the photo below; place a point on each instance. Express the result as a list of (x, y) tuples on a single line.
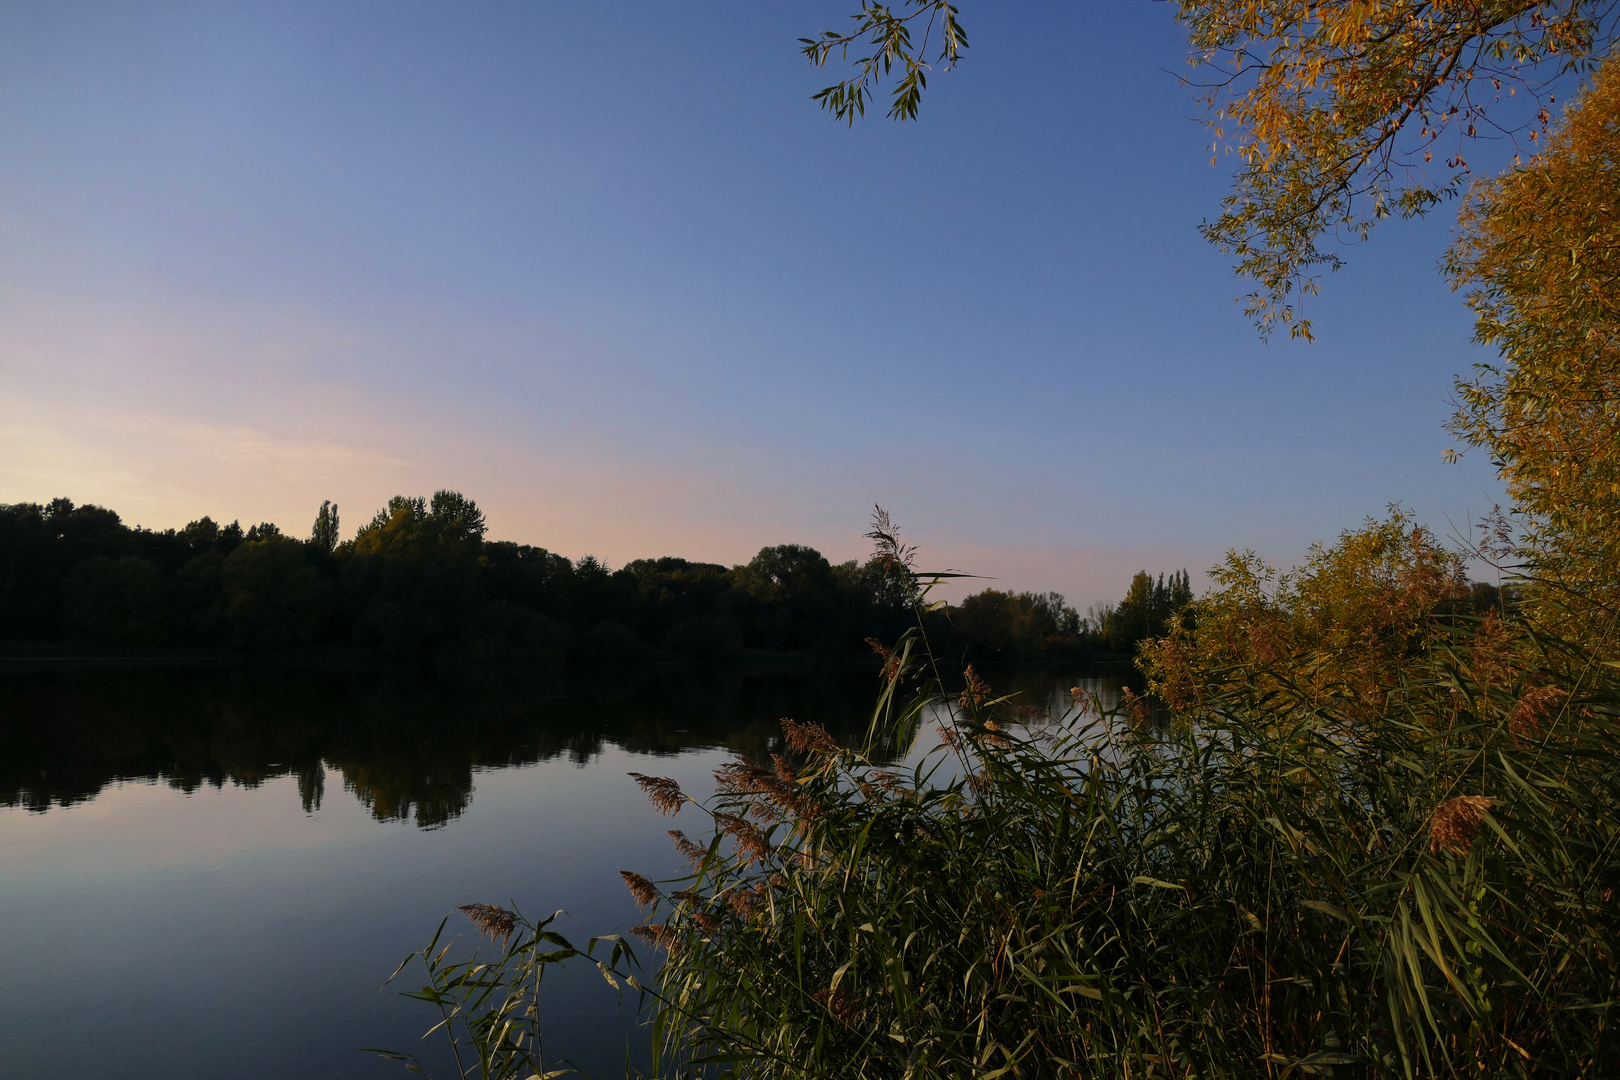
[(210, 873)]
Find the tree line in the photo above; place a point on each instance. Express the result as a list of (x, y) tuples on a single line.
[(421, 577)]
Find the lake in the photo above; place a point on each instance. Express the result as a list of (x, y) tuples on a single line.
[(211, 871)]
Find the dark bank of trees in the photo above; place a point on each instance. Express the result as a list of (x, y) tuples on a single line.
[(420, 578)]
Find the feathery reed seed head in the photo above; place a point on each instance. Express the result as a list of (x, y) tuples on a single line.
[(841, 1003), (977, 689), (1534, 711), (496, 922), (1491, 653), (784, 770), (895, 557), (807, 738), (751, 843), (692, 853), (643, 890), (891, 660), (747, 902), (1455, 824), (664, 793), (659, 934)]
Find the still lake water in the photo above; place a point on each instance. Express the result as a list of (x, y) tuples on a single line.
[(211, 872)]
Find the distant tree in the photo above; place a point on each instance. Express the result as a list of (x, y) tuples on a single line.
[(197, 595), (271, 598), (1018, 625), (524, 575), (324, 536), (672, 591), (458, 517), (1095, 621), (795, 596), (409, 526), (39, 545), (265, 530), (413, 577), (120, 601), (400, 508), (786, 572), (230, 536), (200, 535), (1147, 609)]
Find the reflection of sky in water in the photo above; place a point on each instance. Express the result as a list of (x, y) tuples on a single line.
[(227, 932)]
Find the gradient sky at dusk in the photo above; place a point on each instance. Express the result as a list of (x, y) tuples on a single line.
[(605, 268)]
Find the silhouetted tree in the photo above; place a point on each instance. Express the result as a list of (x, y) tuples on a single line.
[(324, 536), (120, 601), (271, 598), (1147, 609)]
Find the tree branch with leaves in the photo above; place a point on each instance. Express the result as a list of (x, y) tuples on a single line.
[(1340, 112)]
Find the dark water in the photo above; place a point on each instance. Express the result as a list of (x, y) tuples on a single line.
[(211, 872)]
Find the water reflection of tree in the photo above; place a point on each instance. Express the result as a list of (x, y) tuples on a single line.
[(407, 746)]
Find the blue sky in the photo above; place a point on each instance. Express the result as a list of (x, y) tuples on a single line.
[(606, 269)]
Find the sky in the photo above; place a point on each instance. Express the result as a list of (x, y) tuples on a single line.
[(606, 269)]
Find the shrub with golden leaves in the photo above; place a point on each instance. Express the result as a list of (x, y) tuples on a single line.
[(1539, 255), (1341, 626)]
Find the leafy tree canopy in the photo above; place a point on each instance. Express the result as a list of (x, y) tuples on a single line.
[(411, 526), (1539, 255), (1338, 112)]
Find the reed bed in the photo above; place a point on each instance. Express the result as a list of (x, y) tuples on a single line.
[(1294, 882)]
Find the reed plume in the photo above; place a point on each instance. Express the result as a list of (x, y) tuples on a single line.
[(977, 691), (894, 557), (664, 793), (1455, 824), (841, 1003), (496, 922), (751, 843), (891, 660), (1534, 711), (643, 890), (809, 738), (659, 934), (691, 852)]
